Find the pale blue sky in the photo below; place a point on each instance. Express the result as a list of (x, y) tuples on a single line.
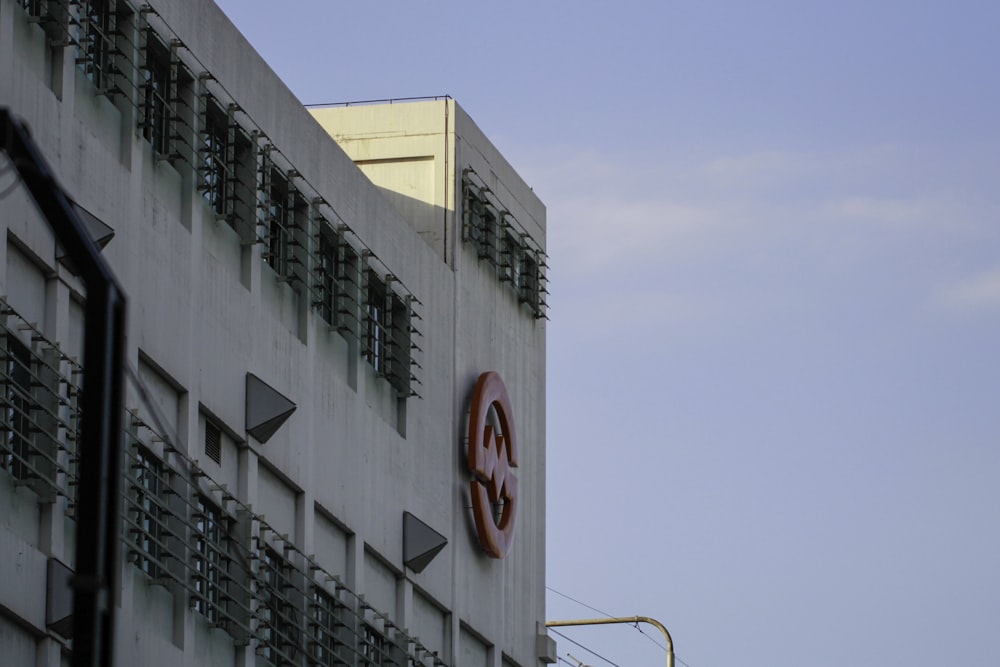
[(774, 239)]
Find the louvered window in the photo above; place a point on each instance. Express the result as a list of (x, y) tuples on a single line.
[(280, 627), (98, 35), (327, 629), (147, 512), (211, 561), (19, 403), (213, 441), (156, 101)]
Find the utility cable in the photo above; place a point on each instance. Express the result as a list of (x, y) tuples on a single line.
[(594, 653), (582, 604), (661, 646), (650, 638)]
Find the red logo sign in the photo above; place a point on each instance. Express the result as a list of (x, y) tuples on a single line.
[(492, 454)]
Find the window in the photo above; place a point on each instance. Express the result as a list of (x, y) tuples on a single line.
[(52, 16), (225, 164), (510, 260), (337, 280), (98, 26), (529, 284), (529, 289), (374, 648), (157, 112), (277, 220), (475, 210), (376, 323), (147, 511), (488, 249), (387, 333), (18, 407), (328, 285), (165, 111), (482, 227), (216, 158), (279, 627), (244, 182), (211, 561), (35, 8), (326, 628), (398, 370)]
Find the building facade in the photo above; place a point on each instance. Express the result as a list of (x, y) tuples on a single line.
[(311, 475)]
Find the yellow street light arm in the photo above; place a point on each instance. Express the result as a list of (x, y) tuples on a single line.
[(630, 619)]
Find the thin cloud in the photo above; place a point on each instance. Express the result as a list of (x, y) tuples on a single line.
[(882, 209), (603, 232), (978, 292), (746, 238), (757, 167)]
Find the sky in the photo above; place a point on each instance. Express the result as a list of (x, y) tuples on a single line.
[(773, 398)]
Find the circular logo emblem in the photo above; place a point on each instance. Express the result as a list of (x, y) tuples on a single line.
[(492, 455)]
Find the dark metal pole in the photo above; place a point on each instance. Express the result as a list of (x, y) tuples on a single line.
[(99, 506)]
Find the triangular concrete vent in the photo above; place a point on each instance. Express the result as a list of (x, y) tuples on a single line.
[(100, 232), (267, 409), (421, 543)]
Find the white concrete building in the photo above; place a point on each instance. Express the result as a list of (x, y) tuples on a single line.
[(301, 475)]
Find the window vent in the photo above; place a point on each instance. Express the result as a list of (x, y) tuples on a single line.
[(213, 442)]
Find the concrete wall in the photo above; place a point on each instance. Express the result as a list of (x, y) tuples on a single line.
[(206, 309), (399, 147)]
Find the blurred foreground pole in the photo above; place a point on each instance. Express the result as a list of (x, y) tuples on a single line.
[(99, 516)]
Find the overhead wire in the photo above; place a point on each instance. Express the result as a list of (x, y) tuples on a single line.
[(592, 652), (650, 638), (582, 604), (661, 646)]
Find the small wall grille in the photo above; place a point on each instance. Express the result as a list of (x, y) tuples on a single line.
[(213, 442)]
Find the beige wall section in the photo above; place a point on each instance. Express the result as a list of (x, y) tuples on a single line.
[(393, 144), (411, 186), (405, 150)]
